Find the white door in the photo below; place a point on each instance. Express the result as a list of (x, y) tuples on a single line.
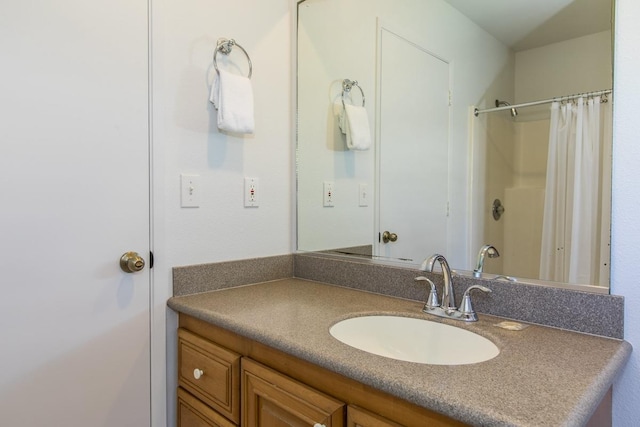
[(413, 150), (74, 188)]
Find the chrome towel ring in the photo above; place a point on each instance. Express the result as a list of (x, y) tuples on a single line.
[(347, 85), (225, 47)]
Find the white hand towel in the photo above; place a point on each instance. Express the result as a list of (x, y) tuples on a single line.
[(338, 112), (358, 131), (232, 96)]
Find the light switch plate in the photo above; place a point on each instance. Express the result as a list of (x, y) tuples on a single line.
[(190, 191), (363, 195)]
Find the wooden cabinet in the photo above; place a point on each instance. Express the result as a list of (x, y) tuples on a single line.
[(270, 399), (211, 373), (358, 417), (193, 413), (254, 385)]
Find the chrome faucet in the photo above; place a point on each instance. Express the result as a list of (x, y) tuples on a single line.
[(448, 298), (485, 251), (448, 306)]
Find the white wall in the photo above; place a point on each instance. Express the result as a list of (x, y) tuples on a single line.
[(185, 130), (186, 140), (573, 66), (626, 193)]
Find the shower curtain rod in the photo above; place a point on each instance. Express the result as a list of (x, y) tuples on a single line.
[(476, 112)]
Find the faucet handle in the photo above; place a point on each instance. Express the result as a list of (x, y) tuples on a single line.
[(466, 308), (432, 300)]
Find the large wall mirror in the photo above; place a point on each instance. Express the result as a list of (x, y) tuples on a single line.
[(416, 134)]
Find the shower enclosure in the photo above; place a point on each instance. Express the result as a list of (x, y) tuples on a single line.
[(553, 201)]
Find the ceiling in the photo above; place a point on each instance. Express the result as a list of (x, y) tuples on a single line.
[(526, 24)]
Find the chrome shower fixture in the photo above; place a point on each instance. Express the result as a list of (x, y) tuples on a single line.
[(499, 103)]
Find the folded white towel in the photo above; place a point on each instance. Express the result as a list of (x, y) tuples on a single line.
[(338, 112), (232, 96), (358, 131)]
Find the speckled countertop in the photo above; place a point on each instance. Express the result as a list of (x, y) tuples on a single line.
[(542, 376)]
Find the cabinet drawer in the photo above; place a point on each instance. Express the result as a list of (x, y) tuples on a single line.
[(272, 399), (194, 413), (358, 417), (210, 372)]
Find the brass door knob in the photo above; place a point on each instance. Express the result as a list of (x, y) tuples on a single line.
[(130, 262), (389, 237)]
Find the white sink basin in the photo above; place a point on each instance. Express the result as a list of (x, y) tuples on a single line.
[(414, 340)]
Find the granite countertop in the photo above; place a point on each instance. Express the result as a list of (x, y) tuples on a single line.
[(542, 376)]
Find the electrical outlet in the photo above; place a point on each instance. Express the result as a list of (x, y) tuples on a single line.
[(250, 192), (328, 195), (190, 191), (363, 195)]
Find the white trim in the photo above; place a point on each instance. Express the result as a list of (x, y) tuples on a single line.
[(375, 233), (294, 123), (159, 285)]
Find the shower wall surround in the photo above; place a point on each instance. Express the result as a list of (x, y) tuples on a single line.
[(597, 314)]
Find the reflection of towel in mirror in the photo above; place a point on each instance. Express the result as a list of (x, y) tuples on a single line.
[(338, 112), (232, 95), (358, 131)]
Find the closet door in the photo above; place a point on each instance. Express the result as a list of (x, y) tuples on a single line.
[(74, 181)]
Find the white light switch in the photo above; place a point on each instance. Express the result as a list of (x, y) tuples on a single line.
[(190, 191), (363, 195)]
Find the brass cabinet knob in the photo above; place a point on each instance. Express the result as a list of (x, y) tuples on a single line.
[(130, 262), (389, 237)]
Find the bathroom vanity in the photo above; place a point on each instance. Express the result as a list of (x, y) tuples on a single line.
[(273, 385), (255, 354)]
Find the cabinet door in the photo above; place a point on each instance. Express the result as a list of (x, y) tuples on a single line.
[(210, 372), (193, 413), (271, 399), (358, 417)]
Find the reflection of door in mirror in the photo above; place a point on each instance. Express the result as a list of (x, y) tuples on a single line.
[(413, 149)]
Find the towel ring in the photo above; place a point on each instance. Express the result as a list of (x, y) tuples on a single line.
[(226, 46), (347, 85)]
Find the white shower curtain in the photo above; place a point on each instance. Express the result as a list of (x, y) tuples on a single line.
[(572, 218)]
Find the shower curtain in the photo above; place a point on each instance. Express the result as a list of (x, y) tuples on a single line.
[(571, 230)]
